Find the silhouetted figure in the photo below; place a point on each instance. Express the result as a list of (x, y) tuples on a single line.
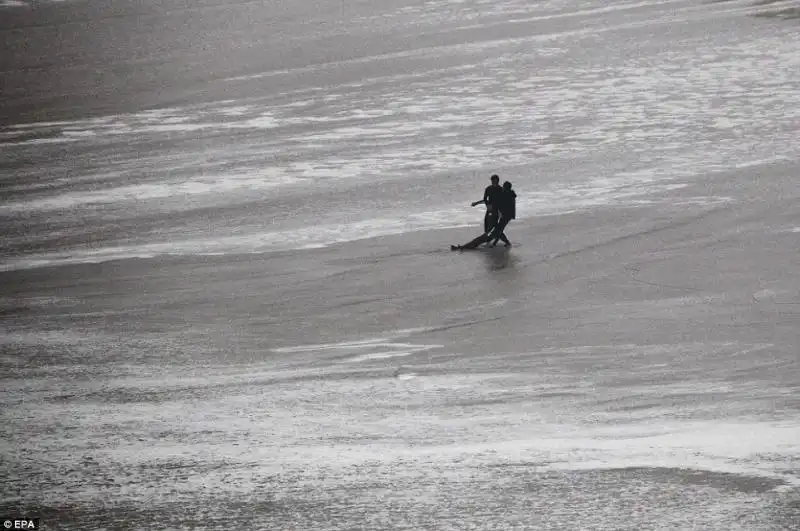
[(491, 198)]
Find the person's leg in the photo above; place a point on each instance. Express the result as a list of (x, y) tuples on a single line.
[(497, 232), (502, 235), (492, 219)]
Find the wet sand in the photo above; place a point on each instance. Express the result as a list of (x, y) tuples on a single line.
[(632, 363), (615, 367)]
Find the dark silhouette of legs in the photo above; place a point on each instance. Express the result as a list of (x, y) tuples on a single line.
[(498, 234), (489, 221)]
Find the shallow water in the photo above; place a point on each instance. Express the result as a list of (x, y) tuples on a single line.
[(228, 297), (388, 129)]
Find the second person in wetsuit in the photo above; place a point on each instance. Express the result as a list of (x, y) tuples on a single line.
[(507, 207)]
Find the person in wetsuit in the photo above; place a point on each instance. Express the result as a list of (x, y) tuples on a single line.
[(507, 207), (491, 198)]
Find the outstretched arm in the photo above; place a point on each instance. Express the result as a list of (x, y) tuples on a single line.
[(481, 202)]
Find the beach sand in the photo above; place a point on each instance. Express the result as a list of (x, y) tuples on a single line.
[(615, 366)]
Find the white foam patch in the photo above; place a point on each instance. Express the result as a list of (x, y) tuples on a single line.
[(49, 337), (393, 350), (215, 117), (210, 184), (36, 301), (79, 133), (363, 350), (42, 141), (36, 125), (764, 449), (237, 110), (727, 447)]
